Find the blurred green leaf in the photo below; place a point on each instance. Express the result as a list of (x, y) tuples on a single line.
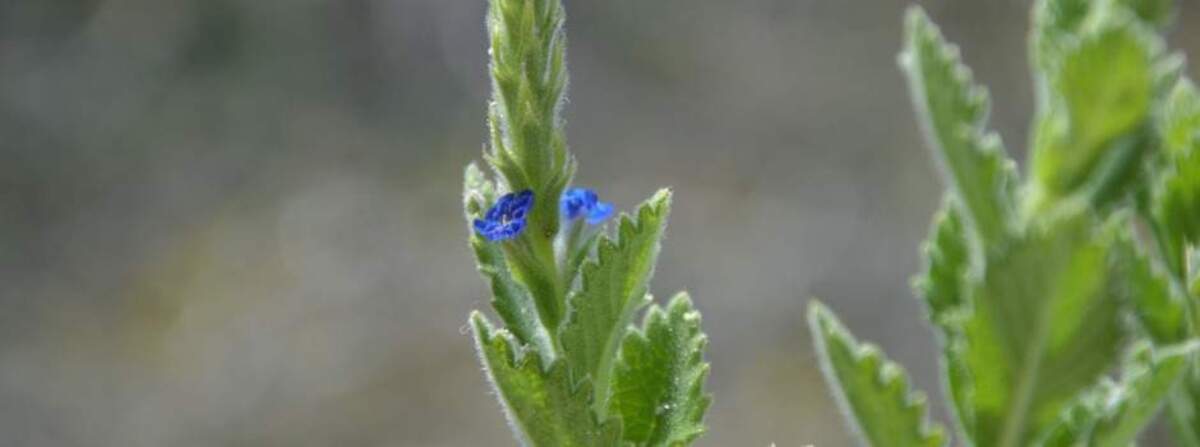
[(947, 256), (1184, 406), (953, 113), (1180, 123), (658, 385), (1115, 412), (1176, 207), (1045, 326), (1099, 92), (1055, 22), (613, 288), (872, 392)]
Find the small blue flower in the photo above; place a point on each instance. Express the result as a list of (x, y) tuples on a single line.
[(583, 202), (505, 219)]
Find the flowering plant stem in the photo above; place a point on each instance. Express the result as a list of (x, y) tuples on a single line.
[(570, 366)]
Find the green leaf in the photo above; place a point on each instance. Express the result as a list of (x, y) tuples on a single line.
[(1176, 208), (947, 256), (1159, 306), (1114, 413), (1099, 95), (613, 289), (1149, 377), (953, 113), (872, 391), (1054, 23), (1180, 124), (658, 385), (542, 406), (1045, 326)]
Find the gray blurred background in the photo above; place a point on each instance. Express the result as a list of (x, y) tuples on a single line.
[(237, 222)]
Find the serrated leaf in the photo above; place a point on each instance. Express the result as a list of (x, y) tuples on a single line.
[(1149, 377), (543, 407), (947, 257), (1160, 308), (872, 391), (512, 302), (1114, 413), (658, 385), (1099, 92), (1045, 326), (953, 113), (942, 287), (612, 289)]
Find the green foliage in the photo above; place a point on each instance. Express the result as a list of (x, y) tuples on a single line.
[(659, 379), (953, 112), (1044, 327), (543, 405), (1099, 94), (1113, 413), (1041, 290), (871, 388), (528, 145), (1181, 118), (569, 367), (614, 288), (1184, 409)]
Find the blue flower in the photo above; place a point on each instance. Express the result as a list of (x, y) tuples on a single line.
[(583, 202), (505, 219)]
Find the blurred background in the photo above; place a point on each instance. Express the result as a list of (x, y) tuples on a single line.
[(237, 222)]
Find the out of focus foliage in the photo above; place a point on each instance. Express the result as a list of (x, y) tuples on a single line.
[(570, 369), (1041, 288)]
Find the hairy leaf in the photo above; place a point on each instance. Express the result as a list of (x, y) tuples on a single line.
[(953, 113), (1114, 413), (542, 406), (947, 256), (1045, 326), (1159, 305), (658, 385), (613, 288), (872, 391), (1149, 377), (942, 286)]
